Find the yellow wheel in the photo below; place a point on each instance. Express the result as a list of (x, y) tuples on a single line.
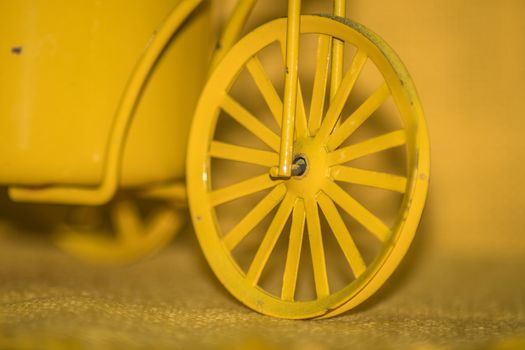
[(323, 241), (132, 231)]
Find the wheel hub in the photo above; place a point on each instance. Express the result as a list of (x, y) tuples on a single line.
[(309, 168)]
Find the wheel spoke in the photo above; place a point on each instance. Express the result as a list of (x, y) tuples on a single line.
[(316, 248), (126, 218), (164, 221), (294, 252), (374, 145), (369, 178), (270, 239), (355, 209), (338, 102), (254, 217), (250, 122), (265, 86), (242, 189), (320, 83), (357, 118), (342, 235), (243, 154)]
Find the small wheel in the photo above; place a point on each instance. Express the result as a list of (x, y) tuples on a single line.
[(281, 245), (133, 237)]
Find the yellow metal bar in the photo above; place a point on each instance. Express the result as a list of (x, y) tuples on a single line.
[(337, 104), (270, 239), (254, 217), (232, 30), (370, 178), (121, 124), (320, 83), (242, 189), (315, 236), (340, 8), (266, 88), (355, 209), (126, 218), (301, 124), (242, 154), (354, 121), (341, 233), (374, 145), (293, 256), (250, 122), (337, 52), (290, 89)]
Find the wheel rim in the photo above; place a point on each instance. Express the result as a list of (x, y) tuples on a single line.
[(299, 201), (130, 236)]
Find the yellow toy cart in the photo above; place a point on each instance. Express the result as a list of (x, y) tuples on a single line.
[(303, 210)]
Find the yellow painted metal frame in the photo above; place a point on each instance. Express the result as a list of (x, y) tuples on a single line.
[(301, 197)]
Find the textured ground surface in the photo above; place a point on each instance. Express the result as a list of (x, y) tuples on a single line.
[(173, 301)]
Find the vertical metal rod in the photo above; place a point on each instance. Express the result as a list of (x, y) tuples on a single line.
[(337, 52), (290, 89), (232, 31)]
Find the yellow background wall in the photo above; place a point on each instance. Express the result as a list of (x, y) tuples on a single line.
[(467, 59)]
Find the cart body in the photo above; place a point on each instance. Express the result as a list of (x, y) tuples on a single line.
[(64, 66)]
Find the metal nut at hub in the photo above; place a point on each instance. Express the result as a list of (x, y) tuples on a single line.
[(299, 165)]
